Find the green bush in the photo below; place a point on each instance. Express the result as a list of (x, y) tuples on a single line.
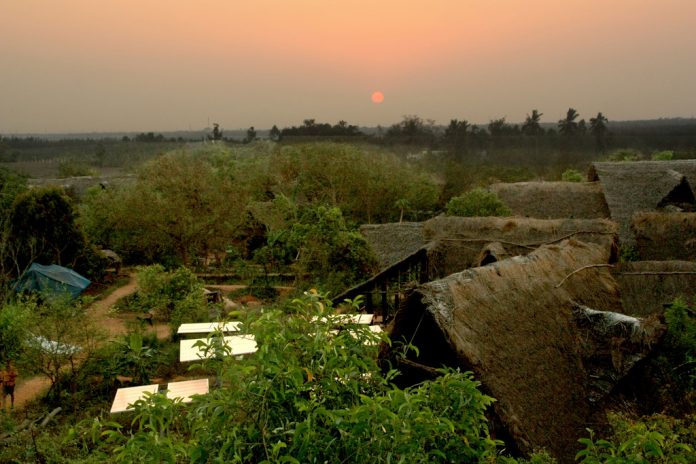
[(665, 155), (654, 439), (625, 154), (477, 203), (73, 168), (572, 175), (172, 296)]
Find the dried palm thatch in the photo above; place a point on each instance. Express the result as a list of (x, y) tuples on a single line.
[(647, 286), (665, 236), (631, 187), (458, 241), (553, 200), (392, 243), (525, 339)]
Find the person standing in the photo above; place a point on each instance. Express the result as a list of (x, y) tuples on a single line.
[(8, 377)]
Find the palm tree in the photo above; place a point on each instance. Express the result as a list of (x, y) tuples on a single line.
[(568, 126), (599, 129), (531, 124)]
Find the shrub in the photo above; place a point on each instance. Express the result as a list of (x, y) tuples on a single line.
[(665, 155), (73, 168), (172, 296), (572, 175), (658, 439), (625, 154), (477, 202)]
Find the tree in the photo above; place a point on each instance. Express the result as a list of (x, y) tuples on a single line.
[(456, 133), (180, 206), (568, 126), (402, 204), (43, 228), (412, 130), (274, 134), (498, 127), (250, 135), (216, 134), (531, 124), (600, 131)]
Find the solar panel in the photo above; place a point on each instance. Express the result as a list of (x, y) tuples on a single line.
[(129, 395), (186, 389), (208, 327), (237, 344)]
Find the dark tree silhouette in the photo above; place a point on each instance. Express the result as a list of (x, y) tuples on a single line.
[(568, 126), (531, 124), (250, 135), (217, 132), (600, 131)]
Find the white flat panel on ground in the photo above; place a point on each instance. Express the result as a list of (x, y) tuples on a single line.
[(126, 396), (238, 344), (185, 389), (208, 327)]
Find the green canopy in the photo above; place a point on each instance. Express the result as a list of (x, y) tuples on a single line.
[(52, 279)]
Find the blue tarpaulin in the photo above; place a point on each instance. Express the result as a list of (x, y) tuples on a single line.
[(52, 279)]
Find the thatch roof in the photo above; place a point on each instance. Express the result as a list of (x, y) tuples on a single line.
[(553, 200), (631, 187), (523, 326), (459, 241), (665, 236), (647, 286), (392, 243)]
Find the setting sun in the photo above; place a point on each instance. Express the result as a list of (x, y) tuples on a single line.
[(377, 97)]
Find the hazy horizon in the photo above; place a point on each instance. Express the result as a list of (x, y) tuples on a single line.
[(78, 66)]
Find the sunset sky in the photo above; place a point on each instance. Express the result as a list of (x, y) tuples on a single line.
[(157, 65)]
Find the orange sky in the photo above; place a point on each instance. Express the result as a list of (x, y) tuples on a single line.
[(108, 65)]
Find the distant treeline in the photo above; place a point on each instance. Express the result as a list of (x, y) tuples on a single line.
[(570, 140)]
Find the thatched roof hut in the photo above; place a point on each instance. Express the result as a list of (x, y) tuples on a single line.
[(457, 242), (393, 242), (665, 236), (553, 200), (631, 187), (524, 327), (647, 286)]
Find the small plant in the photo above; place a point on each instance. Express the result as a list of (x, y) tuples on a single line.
[(72, 168), (477, 203), (628, 253), (572, 175), (664, 155), (625, 154), (658, 439)]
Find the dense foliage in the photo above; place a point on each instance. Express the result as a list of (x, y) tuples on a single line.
[(477, 202), (310, 394)]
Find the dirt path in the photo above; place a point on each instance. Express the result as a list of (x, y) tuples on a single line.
[(29, 388)]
